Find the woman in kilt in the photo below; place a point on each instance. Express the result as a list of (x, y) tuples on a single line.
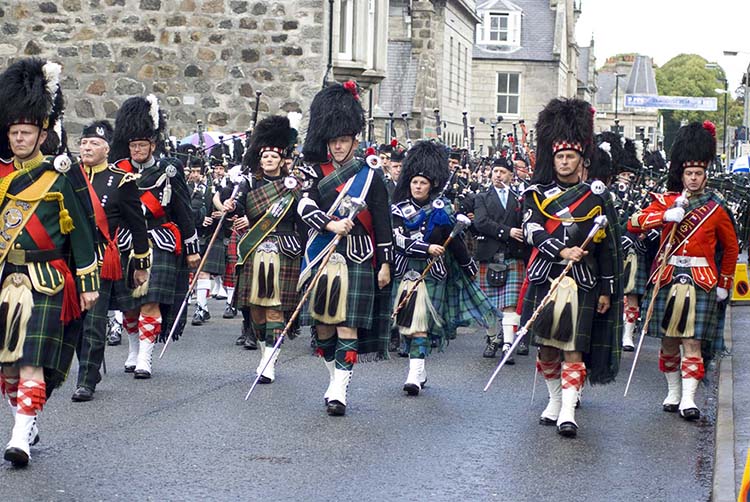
[(269, 253), (500, 253), (690, 284), (422, 221), (351, 302)]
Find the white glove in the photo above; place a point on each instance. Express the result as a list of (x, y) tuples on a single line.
[(675, 214), (721, 294)]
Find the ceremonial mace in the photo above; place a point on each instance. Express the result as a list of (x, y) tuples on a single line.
[(682, 202), (357, 205), (599, 223), (405, 118), (197, 272), (462, 222)]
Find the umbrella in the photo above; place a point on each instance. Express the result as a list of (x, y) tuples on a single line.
[(210, 138), (741, 164)]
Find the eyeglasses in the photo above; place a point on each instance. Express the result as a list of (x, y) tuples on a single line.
[(139, 145)]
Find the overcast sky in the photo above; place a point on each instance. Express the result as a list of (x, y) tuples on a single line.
[(663, 29)]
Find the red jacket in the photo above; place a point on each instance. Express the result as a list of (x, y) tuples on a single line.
[(697, 234)]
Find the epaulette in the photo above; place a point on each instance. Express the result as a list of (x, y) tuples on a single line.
[(659, 197), (309, 171), (532, 188), (403, 208)]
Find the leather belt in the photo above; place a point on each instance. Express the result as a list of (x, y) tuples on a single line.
[(688, 261), (22, 256)]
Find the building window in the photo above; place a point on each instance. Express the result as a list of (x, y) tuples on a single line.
[(500, 28), (450, 71), (458, 74), (347, 15), (508, 93)]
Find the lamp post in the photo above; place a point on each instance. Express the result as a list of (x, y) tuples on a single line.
[(618, 76), (725, 92)]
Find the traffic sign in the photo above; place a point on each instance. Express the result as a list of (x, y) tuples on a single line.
[(670, 102)]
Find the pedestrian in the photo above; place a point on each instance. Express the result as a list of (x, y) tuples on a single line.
[(350, 306), (578, 333), (123, 250), (48, 229), (688, 281)]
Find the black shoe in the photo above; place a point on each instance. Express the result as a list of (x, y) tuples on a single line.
[(250, 342), (17, 456), (412, 389), (490, 350), (240, 339), (690, 414), (141, 374), (506, 349), (206, 314), (522, 349), (567, 429), (229, 312), (114, 338), (336, 409), (198, 318), (82, 394), (434, 343), (547, 421), (670, 408)]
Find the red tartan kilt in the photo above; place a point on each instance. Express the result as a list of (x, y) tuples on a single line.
[(508, 295), (231, 260)]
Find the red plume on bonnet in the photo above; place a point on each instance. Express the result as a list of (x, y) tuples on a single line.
[(351, 86), (710, 127), (370, 151), (394, 142)]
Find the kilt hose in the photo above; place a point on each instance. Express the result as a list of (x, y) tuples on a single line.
[(216, 261), (587, 301), (706, 310), (506, 296), (161, 284), (231, 260), (288, 277), (49, 344)]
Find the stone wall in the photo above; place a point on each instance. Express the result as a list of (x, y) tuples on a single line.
[(203, 59)]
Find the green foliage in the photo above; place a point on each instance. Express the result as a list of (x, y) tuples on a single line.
[(687, 75)]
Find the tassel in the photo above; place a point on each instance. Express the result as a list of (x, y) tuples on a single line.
[(262, 280), (543, 323), (270, 280), (15, 328), (166, 195), (333, 300), (66, 222), (319, 305), (600, 235), (350, 357), (407, 313), (682, 323), (668, 313), (319, 352), (565, 324), (111, 264)]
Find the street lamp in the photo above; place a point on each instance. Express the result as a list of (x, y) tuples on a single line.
[(725, 92), (618, 76)]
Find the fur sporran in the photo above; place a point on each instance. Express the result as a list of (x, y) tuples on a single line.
[(497, 274), (558, 320), (329, 295), (679, 313), (414, 317), (16, 302), (265, 289), (629, 272)]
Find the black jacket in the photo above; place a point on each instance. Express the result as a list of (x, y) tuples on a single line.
[(492, 224)]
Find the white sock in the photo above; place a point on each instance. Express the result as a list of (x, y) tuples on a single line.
[(230, 295), (202, 291)]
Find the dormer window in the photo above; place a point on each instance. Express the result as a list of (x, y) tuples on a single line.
[(500, 28)]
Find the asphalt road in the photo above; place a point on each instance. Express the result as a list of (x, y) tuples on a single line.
[(188, 434)]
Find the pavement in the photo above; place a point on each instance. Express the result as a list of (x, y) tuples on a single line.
[(188, 433)]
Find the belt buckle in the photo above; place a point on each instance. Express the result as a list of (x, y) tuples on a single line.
[(16, 257), (683, 261)]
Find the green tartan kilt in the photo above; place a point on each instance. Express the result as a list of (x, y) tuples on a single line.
[(587, 301), (163, 280), (642, 270), (359, 297), (216, 261), (48, 344), (288, 277), (507, 296), (436, 290), (705, 310), (120, 297)]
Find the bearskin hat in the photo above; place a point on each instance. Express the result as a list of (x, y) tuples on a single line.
[(335, 111), (564, 124), (694, 146), (612, 143), (630, 161), (218, 154), (101, 129), (139, 118), (273, 133), (30, 93), (602, 165), (427, 159), (655, 160)]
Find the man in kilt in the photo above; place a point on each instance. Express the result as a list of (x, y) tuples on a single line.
[(582, 323), (350, 306), (123, 245), (270, 251), (690, 283), (47, 249), (500, 252), (164, 195)]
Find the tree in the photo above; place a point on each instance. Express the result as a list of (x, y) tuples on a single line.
[(687, 75)]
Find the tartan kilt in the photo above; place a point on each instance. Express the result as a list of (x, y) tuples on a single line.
[(120, 296), (436, 290), (231, 260), (288, 277), (642, 269), (587, 301), (215, 263), (507, 296), (705, 310), (163, 280), (48, 344), (359, 297)]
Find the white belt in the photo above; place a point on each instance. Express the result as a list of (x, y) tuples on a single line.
[(688, 261)]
